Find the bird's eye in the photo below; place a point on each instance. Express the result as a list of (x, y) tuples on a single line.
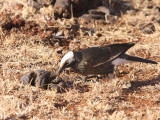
[(66, 63), (69, 63)]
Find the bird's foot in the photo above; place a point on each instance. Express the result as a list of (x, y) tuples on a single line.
[(110, 76)]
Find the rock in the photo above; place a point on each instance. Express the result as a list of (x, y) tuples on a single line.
[(43, 79), (40, 78), (99, 13), (82, 6), (102, 10), (60, 87), (37, 4), (91, 16), (62, 8), (28, 78)]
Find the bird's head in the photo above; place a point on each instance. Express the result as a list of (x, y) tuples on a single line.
[(66, 61)]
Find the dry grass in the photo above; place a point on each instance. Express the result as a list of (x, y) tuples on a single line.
[(133, 95)]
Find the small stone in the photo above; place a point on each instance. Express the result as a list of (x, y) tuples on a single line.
[(62, 8), (40, 78), (28, 78), (43, 78)]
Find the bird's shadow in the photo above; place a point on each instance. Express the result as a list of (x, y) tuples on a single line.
[(136, 85)]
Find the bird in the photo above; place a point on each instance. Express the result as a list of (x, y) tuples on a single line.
[(99, 60)]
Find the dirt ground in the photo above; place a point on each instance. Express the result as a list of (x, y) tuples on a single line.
[(32, 40)]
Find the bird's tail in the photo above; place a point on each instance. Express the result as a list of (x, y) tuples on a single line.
[(136, 59)]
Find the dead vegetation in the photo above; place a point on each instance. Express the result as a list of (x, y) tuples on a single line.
[(33, 40)]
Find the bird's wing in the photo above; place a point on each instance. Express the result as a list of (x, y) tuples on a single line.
[(96, 56)]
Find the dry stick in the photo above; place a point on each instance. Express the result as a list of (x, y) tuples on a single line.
[(116, 26)]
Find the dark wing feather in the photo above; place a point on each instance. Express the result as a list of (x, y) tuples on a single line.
[(95, 56), (118, 49)]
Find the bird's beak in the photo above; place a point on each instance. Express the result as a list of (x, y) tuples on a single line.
[(60, 70)]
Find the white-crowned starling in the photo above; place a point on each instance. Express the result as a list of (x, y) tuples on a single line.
[(99, 60)]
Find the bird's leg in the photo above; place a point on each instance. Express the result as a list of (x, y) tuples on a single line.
[(84, 78), (98, 77), (109, 75), (79, 78), (93, 76)]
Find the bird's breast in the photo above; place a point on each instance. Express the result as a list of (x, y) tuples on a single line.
[(88, 70)]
